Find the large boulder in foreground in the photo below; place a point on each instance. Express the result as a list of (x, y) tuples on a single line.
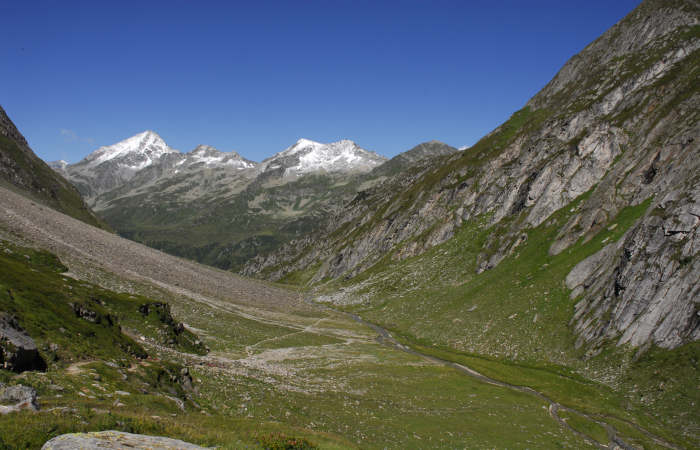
[(18, 351), (114, 440)]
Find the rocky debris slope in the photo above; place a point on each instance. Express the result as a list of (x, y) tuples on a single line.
[(115, 440), (18, 352), (618, 123), (22, 170), (73, 241)]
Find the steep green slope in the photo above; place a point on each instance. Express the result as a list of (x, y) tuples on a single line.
[(97, 377), (519, 314), (23, 171)]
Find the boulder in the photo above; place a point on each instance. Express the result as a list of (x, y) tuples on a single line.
[(114, 440), (16, 398), (18, 352)]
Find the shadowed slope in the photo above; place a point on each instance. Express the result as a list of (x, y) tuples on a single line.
[(21, 170)]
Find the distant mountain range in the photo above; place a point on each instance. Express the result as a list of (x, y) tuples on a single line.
[(220, 208), (146, 157)]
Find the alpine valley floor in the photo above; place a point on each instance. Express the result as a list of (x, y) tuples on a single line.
[(280, 366)]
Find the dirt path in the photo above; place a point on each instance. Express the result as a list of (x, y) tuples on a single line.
[(307, 329), (77, 368)]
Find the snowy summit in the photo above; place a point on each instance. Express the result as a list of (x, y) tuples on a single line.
[(307, 156), (208, 156), (136, 152)]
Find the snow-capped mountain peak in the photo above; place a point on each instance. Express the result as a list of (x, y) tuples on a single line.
[(111, 166), (302, 144), (307, 156), (136, 152), (210, 156)]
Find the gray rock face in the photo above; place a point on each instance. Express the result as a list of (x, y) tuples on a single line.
[(620, 123), (645, 289), (115, 440), (18, 352), (17, 398)]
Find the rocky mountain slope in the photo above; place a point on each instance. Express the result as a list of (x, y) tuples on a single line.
[(598, 174), (21, 169)]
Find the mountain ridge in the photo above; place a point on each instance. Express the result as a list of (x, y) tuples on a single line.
[(113, 166)]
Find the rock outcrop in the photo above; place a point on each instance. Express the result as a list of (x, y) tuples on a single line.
[(18, 352), (115, 440), (644, 289), (17, 398)]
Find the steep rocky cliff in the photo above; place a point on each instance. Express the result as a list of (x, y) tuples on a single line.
[(617, 127)]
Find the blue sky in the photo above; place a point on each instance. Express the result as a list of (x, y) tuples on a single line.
[(256, 76)]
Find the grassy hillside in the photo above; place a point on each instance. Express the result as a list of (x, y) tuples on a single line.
[(27, 174), (99, 376)]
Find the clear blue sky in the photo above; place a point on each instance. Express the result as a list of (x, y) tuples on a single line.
[(256, 76)]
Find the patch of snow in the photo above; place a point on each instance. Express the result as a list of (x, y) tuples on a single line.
[(210, 156)]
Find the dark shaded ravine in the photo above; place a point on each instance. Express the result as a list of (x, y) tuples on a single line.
[(615, 441)]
